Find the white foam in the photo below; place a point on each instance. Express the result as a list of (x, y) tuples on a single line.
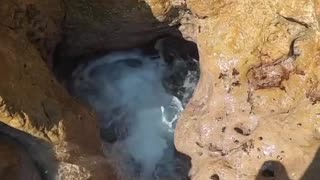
[(147, 113)]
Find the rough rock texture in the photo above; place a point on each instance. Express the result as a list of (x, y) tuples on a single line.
[(257, 105), (32, 101), (64, 137), (256, 109)]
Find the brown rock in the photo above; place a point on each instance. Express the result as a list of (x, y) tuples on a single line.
[(32, 101), (233, 132), (255, 111), (96, 26), (16, 163)]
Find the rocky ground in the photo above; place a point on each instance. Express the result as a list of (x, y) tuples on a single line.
[(255, 111)]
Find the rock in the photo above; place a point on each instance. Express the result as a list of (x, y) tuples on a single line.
[(15, 162), (31, 100), (100, 26), (257, 100)]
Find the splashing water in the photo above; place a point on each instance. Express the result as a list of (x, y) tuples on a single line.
[(126, 90)]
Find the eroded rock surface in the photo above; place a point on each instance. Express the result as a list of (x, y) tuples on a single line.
[(256, 109), (31, 100), (257, 104)]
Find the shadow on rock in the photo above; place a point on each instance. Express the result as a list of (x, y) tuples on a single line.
[(272, 170), (313, 171), (24, 156), (113, 25), (275, 170)]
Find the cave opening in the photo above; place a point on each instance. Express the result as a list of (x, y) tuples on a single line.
[(138, 95)]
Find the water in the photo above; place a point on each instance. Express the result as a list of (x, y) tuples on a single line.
[(137, 113)]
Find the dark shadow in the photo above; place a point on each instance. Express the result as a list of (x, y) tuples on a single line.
[(29, 157), (275, 170), (113, 25), (272, 170), (313, 171), (92, 26)]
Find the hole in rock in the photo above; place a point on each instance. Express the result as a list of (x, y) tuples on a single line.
[(268, 170), (272, 170), (267, 173), (139, 95), (215, 177)]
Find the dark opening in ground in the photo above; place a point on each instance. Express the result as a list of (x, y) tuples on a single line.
[(139, 95)]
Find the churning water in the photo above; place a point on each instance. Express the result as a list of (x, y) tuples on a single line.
[(138, 103)]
